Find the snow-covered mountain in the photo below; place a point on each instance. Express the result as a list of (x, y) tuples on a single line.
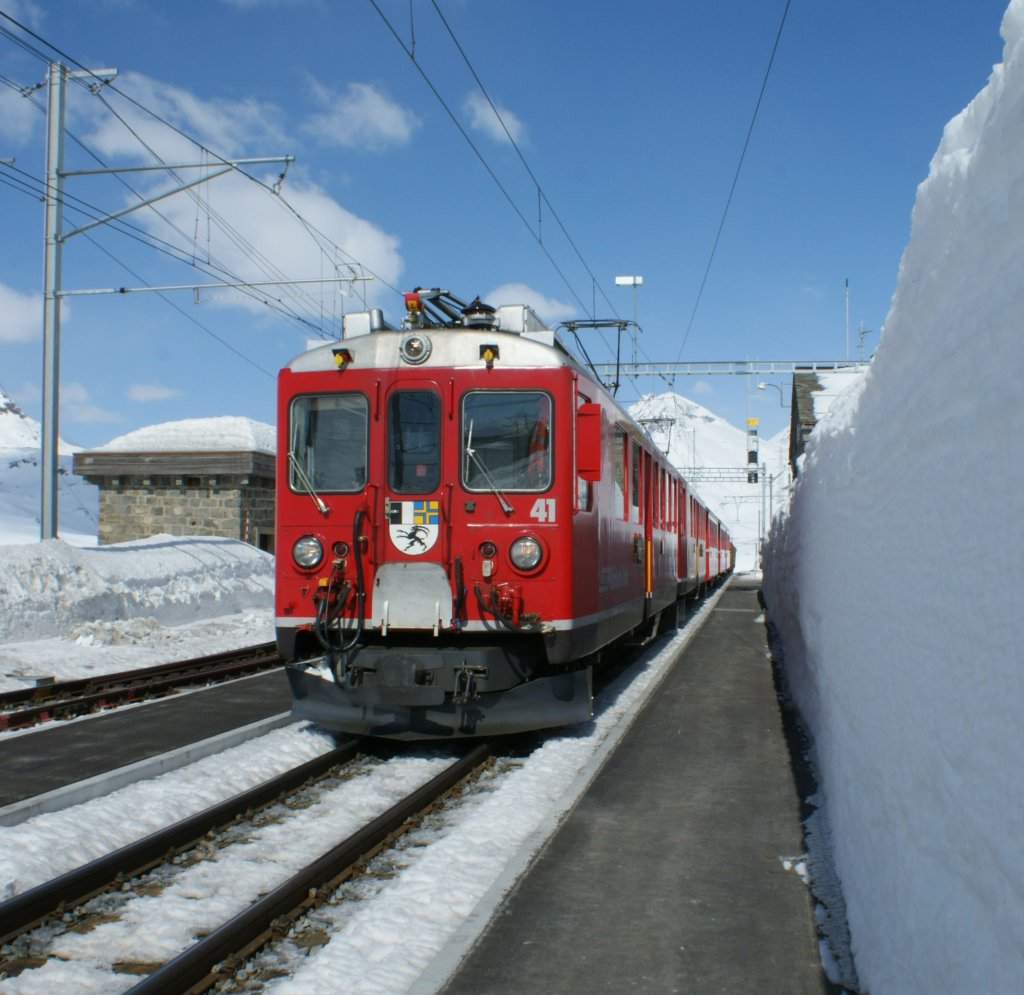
[(17, 430), (21, 484)]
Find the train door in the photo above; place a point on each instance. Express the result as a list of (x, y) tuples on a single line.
[(411, 588), (681, 502)]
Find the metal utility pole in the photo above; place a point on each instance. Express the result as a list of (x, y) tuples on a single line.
[(54, 201), (55, 239), (846, 294)]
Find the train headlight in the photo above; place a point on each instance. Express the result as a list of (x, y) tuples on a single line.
[(307, 552), (415, 348), (526, 553)]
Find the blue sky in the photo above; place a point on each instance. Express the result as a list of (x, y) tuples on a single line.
[(631, 119)]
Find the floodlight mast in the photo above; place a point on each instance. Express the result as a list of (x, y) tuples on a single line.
[(634, 282), (59, 74)]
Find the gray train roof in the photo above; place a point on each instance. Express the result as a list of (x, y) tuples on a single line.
[(521, 338)]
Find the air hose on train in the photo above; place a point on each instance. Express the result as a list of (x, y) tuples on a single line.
[(458, 615), (336, 656), (525, 623)]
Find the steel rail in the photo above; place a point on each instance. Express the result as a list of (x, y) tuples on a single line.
[(195, 969), (20, 913), (82, 694)]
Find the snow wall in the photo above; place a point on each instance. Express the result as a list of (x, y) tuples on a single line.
[(895, 582)]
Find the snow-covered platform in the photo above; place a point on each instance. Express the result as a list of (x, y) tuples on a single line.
[(674, 871)]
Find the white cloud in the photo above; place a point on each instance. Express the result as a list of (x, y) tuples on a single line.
[(25, 12), (151, 392), (231, 128), (549, 309), (77, 406), (482, 118), (702, 387), (21, 315), (360, 117), (269, 229), (19, 117)]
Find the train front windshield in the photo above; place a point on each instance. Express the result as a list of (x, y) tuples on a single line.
[(328, 442), (506, 437)]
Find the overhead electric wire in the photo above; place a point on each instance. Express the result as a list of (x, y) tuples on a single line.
[(22, 187), (227, 345), (157, 117), (735, 179), (519, 153), (94, 213), (487, 167), (262, 262)]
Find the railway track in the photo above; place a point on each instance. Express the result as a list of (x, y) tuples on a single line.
[(32, 907), (216, 955), (65, 699)]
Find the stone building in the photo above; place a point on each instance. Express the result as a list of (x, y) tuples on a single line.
[(207, 477)]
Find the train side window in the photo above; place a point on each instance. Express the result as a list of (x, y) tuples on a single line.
[(506, 440), (620, 472), (414, 442), (328, 442), (634, 488)]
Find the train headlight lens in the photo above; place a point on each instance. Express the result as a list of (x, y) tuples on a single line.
[(415, 349), (488, 550), (307, 552), (526, 553)]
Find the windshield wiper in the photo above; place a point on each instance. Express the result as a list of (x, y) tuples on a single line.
[(471, 453), (307, 485)]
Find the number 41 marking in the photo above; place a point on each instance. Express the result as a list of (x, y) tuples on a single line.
[(543, 510)]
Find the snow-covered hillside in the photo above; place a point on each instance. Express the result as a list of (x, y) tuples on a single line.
[(894, 582), (20, 484)]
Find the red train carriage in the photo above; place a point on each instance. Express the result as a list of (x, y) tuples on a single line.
[(465, 521)]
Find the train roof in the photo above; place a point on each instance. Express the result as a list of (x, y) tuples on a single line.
[(520, 338)]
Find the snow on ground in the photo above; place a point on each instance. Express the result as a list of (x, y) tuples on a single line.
[(894, 582), (78, 611), (78, 608), (397, 930), (887, 581)]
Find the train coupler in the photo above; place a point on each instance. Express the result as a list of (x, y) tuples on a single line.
[(345, 674), (465, 683)]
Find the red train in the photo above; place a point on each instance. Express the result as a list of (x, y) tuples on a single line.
[(466, 522)]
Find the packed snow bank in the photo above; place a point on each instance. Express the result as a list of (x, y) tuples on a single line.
[(49, 588), (891, 582)]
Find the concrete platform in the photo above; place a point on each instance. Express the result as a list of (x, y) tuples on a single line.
[(52, 757), (668, 876)]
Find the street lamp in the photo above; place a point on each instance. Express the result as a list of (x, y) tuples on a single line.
[(782, 396), (634, 282)]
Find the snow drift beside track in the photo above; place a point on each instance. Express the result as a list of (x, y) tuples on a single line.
[(892, 582)]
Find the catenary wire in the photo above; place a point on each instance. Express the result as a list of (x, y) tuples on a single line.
[(157, 117), (480, 156), (735, 180)]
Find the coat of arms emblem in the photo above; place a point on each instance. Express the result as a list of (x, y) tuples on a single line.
[(413, 525)]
